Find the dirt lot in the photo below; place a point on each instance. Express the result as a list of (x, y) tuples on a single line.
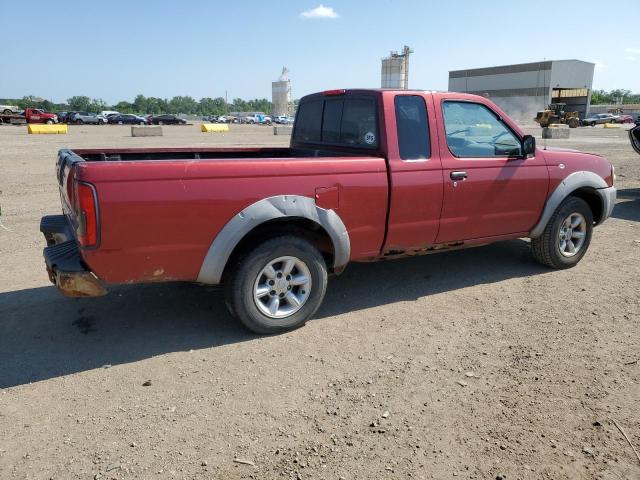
[(472, 364)]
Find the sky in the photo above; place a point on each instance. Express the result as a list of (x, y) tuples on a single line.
[(117, 49)]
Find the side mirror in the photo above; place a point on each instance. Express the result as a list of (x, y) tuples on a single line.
[(634, 136), (528, 145)]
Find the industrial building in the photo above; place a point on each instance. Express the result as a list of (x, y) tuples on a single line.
[(395, 70), (523, 89), (281, 94)]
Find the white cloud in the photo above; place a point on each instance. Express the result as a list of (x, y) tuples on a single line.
[(320, 12), (599, 64), (631, 58), (632, 50)]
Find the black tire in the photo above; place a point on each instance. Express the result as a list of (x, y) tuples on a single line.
[(546, 248), (100, 122), (593, 124), (244, 272), (573, 123), (80, 122), (49, 122), (160, 122), (7, 112)]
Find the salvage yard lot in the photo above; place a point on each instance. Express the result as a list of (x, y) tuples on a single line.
[(468, 364)]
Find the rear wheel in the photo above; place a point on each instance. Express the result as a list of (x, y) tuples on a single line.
[(7, 112), (80, 122), (49, 122), (573, 123), (160, 122), (277, 286), (567, 235)]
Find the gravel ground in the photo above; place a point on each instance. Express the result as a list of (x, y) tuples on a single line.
[(472, 364)]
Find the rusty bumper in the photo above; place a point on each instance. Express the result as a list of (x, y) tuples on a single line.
[(64, 263)]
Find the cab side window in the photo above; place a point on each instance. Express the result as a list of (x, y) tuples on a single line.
[(412, 127), (474, 131)]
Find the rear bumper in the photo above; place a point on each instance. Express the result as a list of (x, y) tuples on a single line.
[(64, 263)]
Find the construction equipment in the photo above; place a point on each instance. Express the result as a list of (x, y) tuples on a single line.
[(556, 113)]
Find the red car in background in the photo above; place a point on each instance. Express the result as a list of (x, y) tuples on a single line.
[(624, 119)]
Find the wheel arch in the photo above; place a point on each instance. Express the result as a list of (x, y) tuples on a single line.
[(582, 184), (273, 216)]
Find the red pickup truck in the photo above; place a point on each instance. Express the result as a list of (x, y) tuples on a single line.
[(30, 115), (369, 175)]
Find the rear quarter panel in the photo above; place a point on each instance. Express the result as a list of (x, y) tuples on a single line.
[(158, 218)]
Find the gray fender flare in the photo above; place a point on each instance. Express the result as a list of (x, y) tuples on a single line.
[(573, 182), (263, 211)]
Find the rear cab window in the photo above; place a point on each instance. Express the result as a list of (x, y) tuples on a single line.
[(347, 121)]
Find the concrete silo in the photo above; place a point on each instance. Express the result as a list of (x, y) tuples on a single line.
[(281, 94), (395, 70)]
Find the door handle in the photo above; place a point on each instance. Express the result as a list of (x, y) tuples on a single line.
[(458, 175)]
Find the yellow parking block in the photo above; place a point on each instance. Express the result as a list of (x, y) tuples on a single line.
[(611, 125), (214, 127), (37, 128)]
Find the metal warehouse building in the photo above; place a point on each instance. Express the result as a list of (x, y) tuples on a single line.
[(521, 90)]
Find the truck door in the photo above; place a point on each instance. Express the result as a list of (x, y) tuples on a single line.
[(489, 189), (415, 171)]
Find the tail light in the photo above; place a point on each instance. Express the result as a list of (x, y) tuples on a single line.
[(87, 214)]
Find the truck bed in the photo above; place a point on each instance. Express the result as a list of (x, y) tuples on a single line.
[(145, 154), (161, 208)]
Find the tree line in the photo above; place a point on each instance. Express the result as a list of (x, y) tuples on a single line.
[(184, 105), (602, 97)]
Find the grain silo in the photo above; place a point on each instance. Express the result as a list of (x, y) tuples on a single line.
[(395, 70), (281, 94)]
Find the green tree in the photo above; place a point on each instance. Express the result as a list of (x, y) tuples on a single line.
[(183, 105), (123, 107), (80, 103), (211, 106)]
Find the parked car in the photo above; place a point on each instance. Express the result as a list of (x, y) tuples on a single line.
[(106, 113), (127, 119), (598, 118), (624, 119), (80, 118), (257, 119), (166, 120), (369, 175), (9, 109), (283, 120)]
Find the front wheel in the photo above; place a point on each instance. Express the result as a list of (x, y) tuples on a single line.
[(567, 235), (49, 122), (277, 286)]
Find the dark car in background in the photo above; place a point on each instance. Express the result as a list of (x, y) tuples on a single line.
[(166, 120), (598, 118), (127, 119)]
